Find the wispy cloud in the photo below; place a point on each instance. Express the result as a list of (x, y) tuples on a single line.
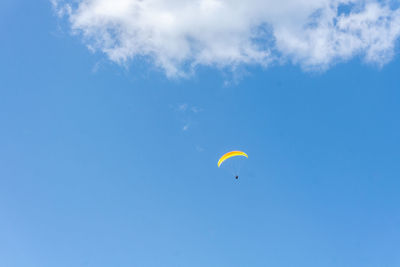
[(185, 127), (196, 110), (182, 107), (179, 35), (186, 114)]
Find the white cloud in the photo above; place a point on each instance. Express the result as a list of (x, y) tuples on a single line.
[(178, 35), (187, 114), (183, 107), (196, 109)]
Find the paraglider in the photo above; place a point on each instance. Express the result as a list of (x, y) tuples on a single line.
[(230, 155)]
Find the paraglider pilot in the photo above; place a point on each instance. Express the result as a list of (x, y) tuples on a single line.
[(237, 177)]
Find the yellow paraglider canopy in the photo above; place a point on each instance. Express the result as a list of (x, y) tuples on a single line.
[(230, 155)]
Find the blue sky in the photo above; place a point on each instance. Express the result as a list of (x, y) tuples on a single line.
[(106, 164)]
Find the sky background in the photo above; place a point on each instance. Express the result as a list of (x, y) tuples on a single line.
[(109, 165)]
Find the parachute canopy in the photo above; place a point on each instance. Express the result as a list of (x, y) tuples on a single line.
[(230, 155)]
